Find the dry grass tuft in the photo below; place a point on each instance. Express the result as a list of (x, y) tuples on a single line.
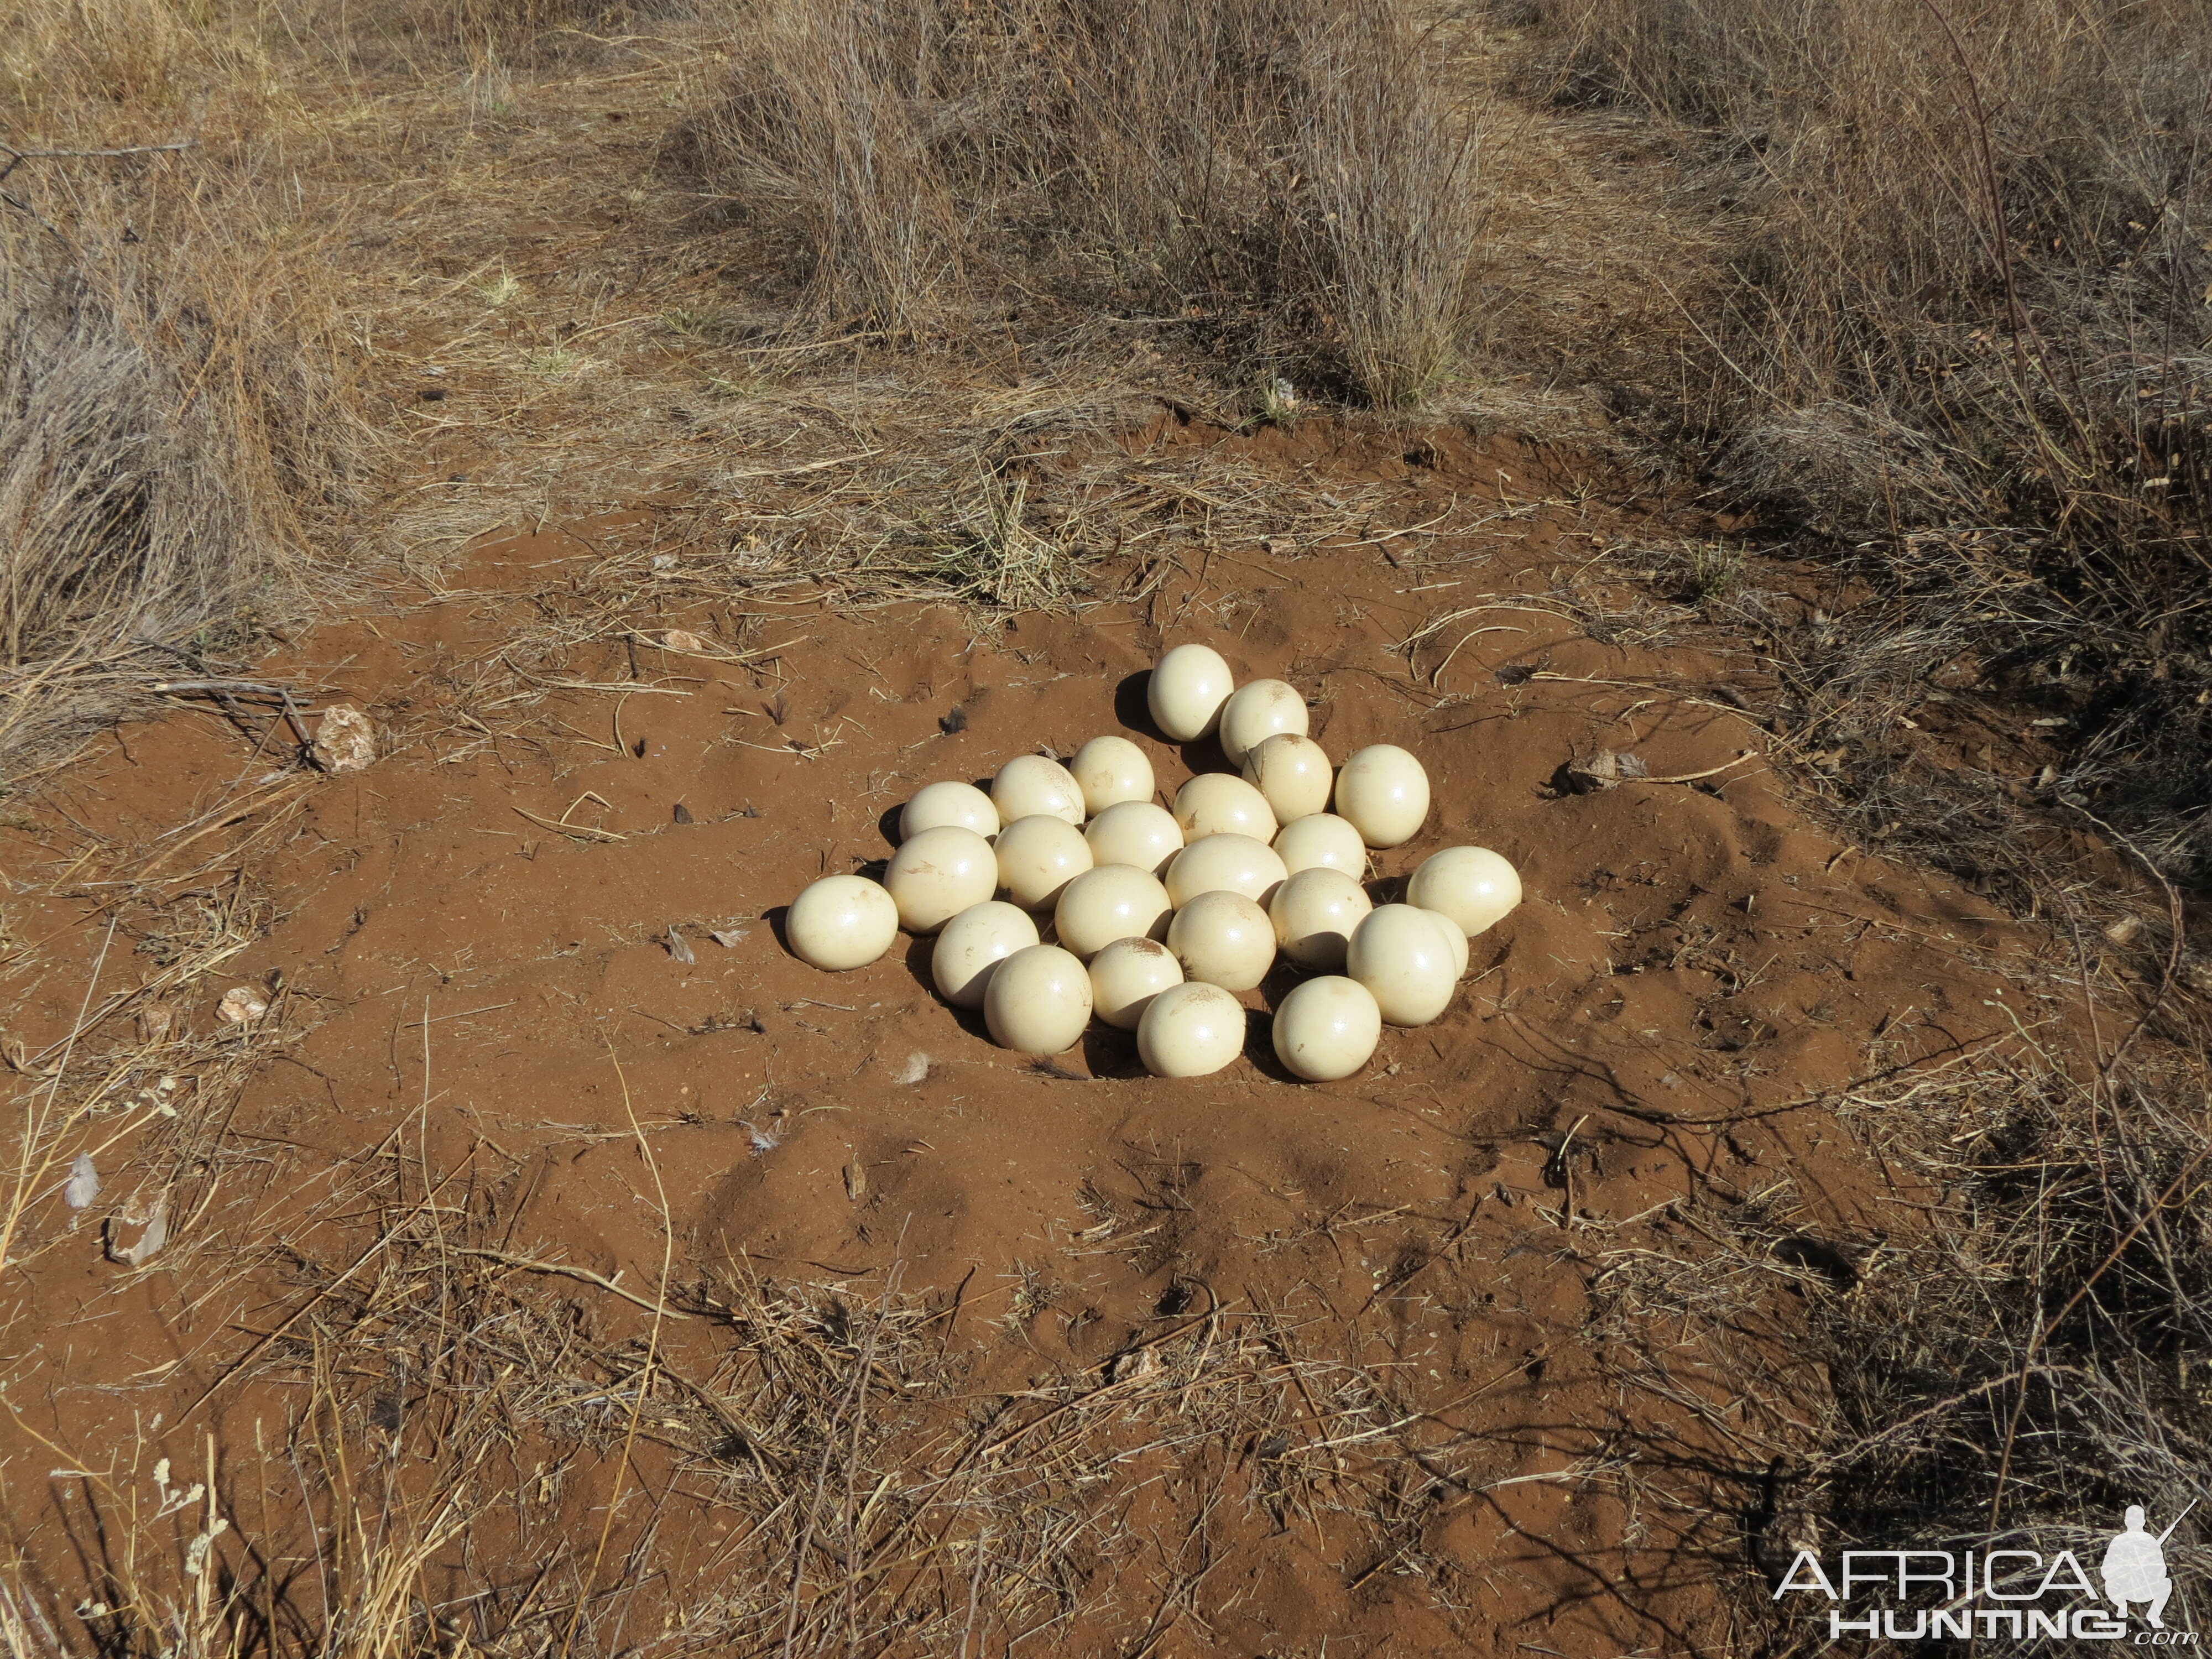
[(1963, 335), (1391, 177), (67, 67), (176, 430), (1293, 172)]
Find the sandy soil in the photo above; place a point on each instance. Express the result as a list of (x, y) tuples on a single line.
[(477, 1010)]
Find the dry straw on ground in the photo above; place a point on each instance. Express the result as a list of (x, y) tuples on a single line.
[(2012, 1375), (827, 1471), (2030, 500)]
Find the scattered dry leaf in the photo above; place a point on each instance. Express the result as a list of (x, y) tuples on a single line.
[(1604, 770), (151, 1223), (155, 1021)]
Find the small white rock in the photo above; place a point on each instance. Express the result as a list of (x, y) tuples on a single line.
[(239, 1004), (345, 739)]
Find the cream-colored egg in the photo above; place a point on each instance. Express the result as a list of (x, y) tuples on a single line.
[(1215, 804), (1384, 792), (1038, 1001), (1029, 785), (1322, 841), (1399, 954), (1327, 1028), (1314, 912), (1292, 771), (1109, 770), (1190, 1030), (1222, 939), (955, 805), (1188, 687), (1136, 833), (1454, 941), (841, 921), (1236, 864), (937, 874), (1038, 856), (1256, 712), (1127, 976), (973, 945), (1472, 885), (1109, 903)]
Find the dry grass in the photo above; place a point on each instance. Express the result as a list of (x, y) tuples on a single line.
[(67, 71), (323, 1536), (116, 1148), (876, 495), (177, 433), (1292, 172), (1962, 336), (1392, 181), (140, 1085), (432, 1411), (920, 174)]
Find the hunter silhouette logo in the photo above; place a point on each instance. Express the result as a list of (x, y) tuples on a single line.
[(2135, 1567), (2002, 1593)]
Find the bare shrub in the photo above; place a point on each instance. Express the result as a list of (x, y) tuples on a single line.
[(836, 123), (916, 159)]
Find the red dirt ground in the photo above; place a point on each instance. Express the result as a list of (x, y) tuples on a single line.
[(1699, 971)]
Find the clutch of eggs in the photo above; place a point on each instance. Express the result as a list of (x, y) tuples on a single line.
[(1160, 915)]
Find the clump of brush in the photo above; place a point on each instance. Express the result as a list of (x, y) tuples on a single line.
[(1293, 173)]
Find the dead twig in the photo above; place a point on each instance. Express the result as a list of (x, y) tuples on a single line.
[(566, 1270)]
